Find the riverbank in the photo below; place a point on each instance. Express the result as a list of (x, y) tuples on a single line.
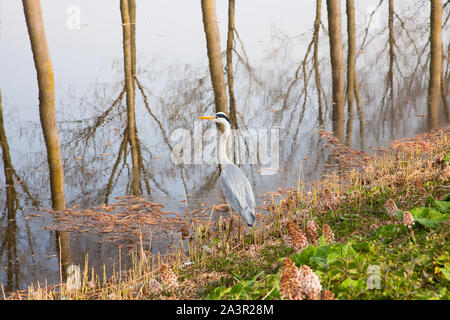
[(377, 230)]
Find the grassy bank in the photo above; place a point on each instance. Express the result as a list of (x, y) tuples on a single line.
[(377, 230)]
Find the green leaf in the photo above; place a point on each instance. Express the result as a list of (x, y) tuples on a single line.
[(218, 293), (305, 256), (445, 271), (350, 283), (237, 289), (429, 217), (320, 257), (362, 246), (389, 232), (352, 271), (339, 251), (442, 206), (446, 161)]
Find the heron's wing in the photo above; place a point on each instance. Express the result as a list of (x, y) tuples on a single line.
[(237, 189)]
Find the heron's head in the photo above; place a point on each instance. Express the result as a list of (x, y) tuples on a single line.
[(219, 117)]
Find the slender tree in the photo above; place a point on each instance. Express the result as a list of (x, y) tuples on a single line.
[(434, 89), (8, 238), (7, 163), (214, 54), (317, 23), (351, 55), (230, 48), (42, 62), (351, 62), (132, 14), (337, 66), (352, 79), (444, 83), (129, 66), (44, 70), (390, 78)]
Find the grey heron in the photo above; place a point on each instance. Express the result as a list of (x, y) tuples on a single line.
[(235, 186)]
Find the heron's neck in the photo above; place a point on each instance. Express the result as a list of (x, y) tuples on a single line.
[(223, 145)]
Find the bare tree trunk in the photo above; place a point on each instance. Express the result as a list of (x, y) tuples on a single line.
[(130, 99), (360, 111), (391, 51), (9, 234), (434, 89), (8, 169), (444, 84), (42, 61), (64, 251), (317, 23), (214, 54), (337, 65), (230, 47), (7, 163), (351, 55), (132, 14), (352, 79), (351, 62)]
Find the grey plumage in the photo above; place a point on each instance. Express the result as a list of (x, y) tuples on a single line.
[(235, 186), (238, 192)]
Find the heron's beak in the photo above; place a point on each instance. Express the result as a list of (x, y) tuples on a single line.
[(207, 118)]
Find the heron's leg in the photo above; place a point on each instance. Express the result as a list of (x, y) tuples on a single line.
[(239, 231), (231, 212)]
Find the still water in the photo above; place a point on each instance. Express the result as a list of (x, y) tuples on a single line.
[(275, 86)]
